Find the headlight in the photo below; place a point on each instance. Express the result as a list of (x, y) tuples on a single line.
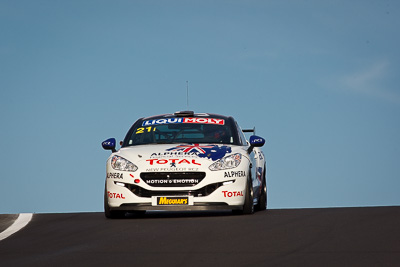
[(121, 164), (228, 162)]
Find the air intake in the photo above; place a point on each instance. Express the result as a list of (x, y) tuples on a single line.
[(186, 113)]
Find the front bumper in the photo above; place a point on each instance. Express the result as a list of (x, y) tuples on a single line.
[(216, 192), (197, 206)]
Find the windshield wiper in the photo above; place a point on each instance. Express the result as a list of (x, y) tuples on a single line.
[(166, 142)]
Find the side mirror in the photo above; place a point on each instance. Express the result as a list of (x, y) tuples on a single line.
[(255, 141), (109, 144)]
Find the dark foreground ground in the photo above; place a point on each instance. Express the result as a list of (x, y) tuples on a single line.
[(293, 237)]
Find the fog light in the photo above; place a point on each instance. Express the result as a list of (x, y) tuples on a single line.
[(228, 182)]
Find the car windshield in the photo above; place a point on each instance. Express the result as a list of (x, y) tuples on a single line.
[(181, 130)]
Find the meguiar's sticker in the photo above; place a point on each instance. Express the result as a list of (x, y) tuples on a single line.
[(167, 201)]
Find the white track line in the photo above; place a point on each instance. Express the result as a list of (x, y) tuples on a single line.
[(22, 220)]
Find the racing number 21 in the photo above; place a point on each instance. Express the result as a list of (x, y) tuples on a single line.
[(143, 129)]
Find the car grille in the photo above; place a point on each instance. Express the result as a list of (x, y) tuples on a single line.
[(172, 179), (202, 192)]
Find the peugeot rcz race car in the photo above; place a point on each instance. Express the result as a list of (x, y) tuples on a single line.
[(185, 161)]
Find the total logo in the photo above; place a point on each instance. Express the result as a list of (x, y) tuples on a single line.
[(233, 193), (173, 162), (115, 195)]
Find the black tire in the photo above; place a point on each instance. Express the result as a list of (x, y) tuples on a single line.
[(262, 199), (248, 206), (111, 214)]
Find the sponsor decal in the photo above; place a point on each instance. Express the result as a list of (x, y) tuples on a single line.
[(107, 143), (184, 120), (192, 148), (232, 193), (141, 130), (165, 201), (213, 152), (115, 195), (171, 169), (235, 174), (174, 154), (172, 162), (172, 181), (115, 175)]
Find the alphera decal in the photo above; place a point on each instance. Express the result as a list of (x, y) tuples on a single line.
[(115, 175), (234, 174), (184, 120)]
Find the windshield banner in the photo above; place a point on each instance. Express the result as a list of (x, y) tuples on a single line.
[(184, 120)]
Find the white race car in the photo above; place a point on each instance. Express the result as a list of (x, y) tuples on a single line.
[(185, 161)]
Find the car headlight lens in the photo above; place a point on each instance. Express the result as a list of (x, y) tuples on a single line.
[(121, 164), (228, 162)]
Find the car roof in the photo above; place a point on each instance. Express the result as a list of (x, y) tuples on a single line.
[(187, 114)]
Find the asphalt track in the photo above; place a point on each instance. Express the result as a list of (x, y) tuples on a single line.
[(293, 237)]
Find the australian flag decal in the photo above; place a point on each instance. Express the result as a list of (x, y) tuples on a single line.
[(213, 152)]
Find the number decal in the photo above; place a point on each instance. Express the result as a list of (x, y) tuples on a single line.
[(141, 130), (149, 129)]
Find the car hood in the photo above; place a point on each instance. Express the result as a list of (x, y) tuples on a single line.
[(178, 157)]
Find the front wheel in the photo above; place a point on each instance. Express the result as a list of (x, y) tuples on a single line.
[(248, 206), (111, 214), (262, 200)]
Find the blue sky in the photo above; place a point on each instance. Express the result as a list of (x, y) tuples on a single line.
[(319, 80)]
